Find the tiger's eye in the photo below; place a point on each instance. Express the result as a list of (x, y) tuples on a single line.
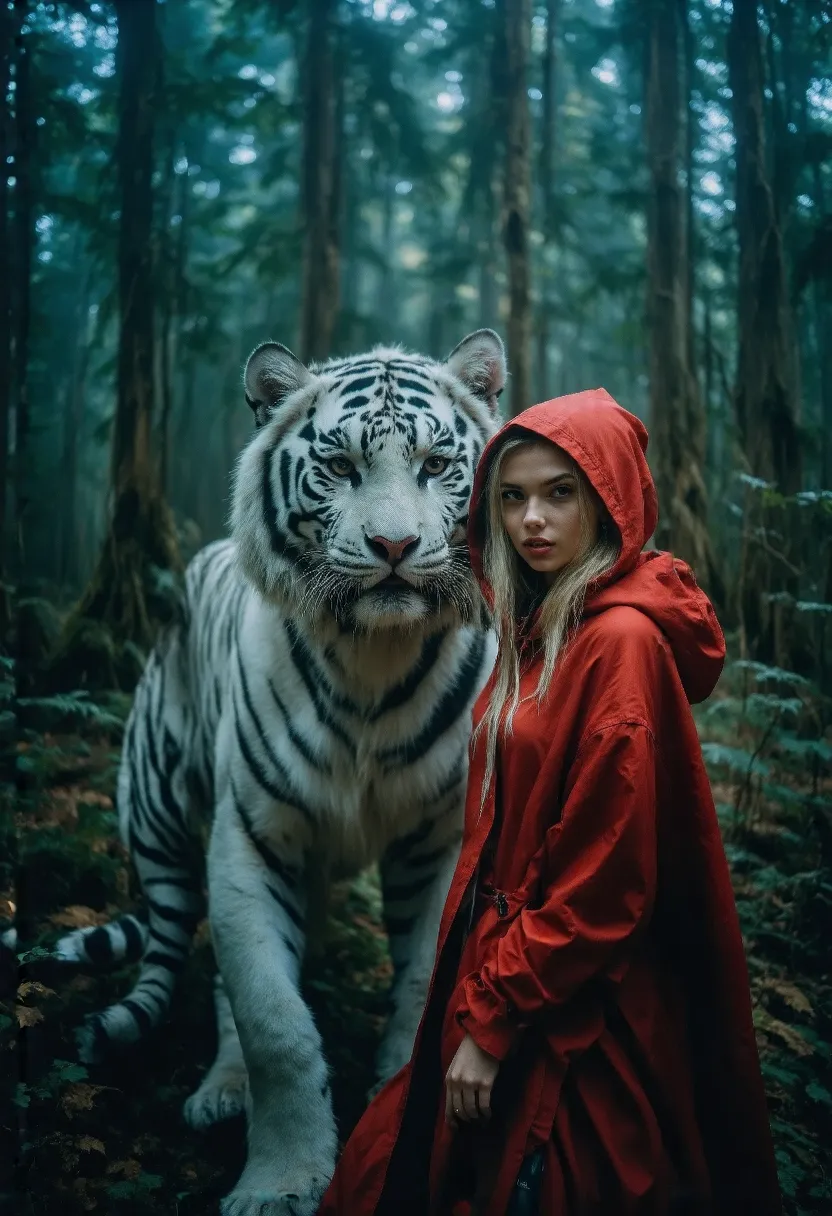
[(340, 466), (434, 465)]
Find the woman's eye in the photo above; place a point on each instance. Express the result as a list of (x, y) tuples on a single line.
[(511, 496), (340, 466), (434, 465), (561, 491)]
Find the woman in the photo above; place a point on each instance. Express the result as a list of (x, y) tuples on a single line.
[(589, 1009)]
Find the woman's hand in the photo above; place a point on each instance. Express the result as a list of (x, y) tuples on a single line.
[(468, 1084)]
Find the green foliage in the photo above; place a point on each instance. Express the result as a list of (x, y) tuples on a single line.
[(61, 1073), (135, 1188), (66, 711), (769, 752)]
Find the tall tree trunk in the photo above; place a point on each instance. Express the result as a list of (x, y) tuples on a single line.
[(488, 246), (764, 397), (482, 197), (7, 33), (517, 22), (165, 277), (23, 245), (67, 564), (800, 69), (130, 592), (320, 194), (689, 246), (677, 420), (547, 152), (185, 363), (387, 292)]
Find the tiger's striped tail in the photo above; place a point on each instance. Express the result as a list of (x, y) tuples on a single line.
[(120, 941), (153, 801)]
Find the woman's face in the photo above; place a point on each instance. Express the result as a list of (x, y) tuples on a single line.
[(539, 494)]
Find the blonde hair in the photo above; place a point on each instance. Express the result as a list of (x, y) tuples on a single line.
[(517, 589)]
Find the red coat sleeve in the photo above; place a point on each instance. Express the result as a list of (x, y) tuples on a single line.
[(601, 862)]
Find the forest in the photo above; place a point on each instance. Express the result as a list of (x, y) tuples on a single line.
[(634, 194)]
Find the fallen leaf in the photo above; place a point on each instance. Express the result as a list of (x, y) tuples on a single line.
[(79, 1096), (94, 798), (77, 916), (29, 986), (27, 1016), (130, 1169), (89, 1144)]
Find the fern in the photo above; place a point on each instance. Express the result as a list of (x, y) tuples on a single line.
[(74, 706), (763, 672), (735, 759)]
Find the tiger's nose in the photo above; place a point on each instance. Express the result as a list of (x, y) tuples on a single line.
[(392, 551)]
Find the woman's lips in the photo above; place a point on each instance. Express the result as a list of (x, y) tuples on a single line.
[(538, 546)]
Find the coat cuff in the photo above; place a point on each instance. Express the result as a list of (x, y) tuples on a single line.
[(487, 1019)]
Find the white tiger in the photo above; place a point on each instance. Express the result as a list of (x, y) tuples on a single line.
[(320, 708)]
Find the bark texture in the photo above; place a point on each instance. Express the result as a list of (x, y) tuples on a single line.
[(7, 31), (517, 20), (677, 415), (321, 185), (23, 241), (765, 397), (133, 589), (546, 200)]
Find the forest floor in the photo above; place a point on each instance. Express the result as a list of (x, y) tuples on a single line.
[(111, 1138)]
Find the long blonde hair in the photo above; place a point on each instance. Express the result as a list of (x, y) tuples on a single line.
[(517, 593)]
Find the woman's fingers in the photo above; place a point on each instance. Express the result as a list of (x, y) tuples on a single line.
[(468, 1083), (468, 1094), (466, 1102), (450, 1100)]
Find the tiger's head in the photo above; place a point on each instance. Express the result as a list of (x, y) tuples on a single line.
[(351, 500)]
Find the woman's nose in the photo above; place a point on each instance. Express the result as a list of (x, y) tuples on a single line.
[(533, 513)]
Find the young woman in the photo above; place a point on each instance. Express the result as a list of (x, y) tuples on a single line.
[(589, 1010)]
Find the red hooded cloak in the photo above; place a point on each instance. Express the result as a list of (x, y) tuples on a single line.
[(602, 961)]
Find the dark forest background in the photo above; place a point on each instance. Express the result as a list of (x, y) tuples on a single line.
[(633, 193)]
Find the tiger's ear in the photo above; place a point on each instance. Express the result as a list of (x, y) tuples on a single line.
[(480, 363), (272, 374)]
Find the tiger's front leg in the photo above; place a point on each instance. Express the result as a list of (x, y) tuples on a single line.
[(416, 873), (257, 913)]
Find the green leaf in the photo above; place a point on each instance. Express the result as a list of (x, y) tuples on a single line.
[(773, 1071), (763, 672), (131, 1188), (789, 1173), (68, 1071), (819, 1094), (734, 758), (35, 955)]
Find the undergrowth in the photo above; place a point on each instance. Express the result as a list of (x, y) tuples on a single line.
[(111, 1138), (765, 737)]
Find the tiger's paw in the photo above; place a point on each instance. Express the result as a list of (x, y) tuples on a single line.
[(301, 1201), (91, 1039), (222, 1095)]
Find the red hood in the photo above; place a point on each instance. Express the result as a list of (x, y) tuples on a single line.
[(609, 445)]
